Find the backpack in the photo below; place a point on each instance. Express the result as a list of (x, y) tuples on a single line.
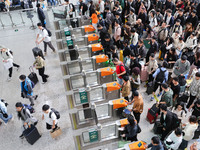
[(112, 18), (32, 84), (55, 112), (175, 121), (73, 7), (5, 103), (11, 52), (29, 107), (160, 76), (126, 68), (49, 32), (85, 7)]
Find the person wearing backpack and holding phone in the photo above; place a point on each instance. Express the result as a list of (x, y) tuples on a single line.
[(27, 89), (25, 115), (69, 9), (50, 117), (46, 38), (3, 112), (7, 56)]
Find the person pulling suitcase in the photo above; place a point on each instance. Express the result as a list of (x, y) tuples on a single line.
[(39, 64)]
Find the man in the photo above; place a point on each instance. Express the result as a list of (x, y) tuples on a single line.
[(27, 89), (180, 46), (82, 7), (50, 118), (134, 40), (181, 67), (167, 95), (118, 17), (26, 117), (3, 113), (137, 106), (159, 16), (194, 89), (169, 5), (193, 19), (101, 6), (126, 50), (169, 19), (8, 61), (102, 33), (162, 33), (143, 16), (117, 34), (196, 108), (141, 50), (155, 144), (41, 15), (153, 48), (177, 27), (139, 27), (134, 62), (46, 39), (181, 17), (120, 70), (127, 31), (166, 121), (175, 86), (191, 42), (108, 44), (176, 37), (132, 17), (109, 19), (68, 9)]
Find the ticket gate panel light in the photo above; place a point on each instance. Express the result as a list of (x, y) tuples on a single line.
[(96, 94), (77, 81)]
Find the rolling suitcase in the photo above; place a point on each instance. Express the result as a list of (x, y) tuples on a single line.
[(157, 128), (33, 76), (37, 51), (31, 134), (150, 117), (144, 74), (150, 87)]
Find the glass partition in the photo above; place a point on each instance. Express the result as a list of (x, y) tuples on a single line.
[(91, 78), (102, 110), (108, 131), (77, 81), (74, 67), (87, 65), (96, 94)]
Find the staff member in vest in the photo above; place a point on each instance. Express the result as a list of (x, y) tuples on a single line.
[(8, 61), (46, 39)]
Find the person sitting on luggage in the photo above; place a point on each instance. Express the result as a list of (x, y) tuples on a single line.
[(126, 87), (171, 57), (156, 144), (179, 109), (26, 117), (166, 97), (174, 140), (120, 70), (195, 108), (135, 80), (189, 129), (137, 106), (152, 66), (3, 112), (50, 118), (194, 89), (181, 67), (131, 130), (27, 89), (161, 76), (40, 65), (166, 120), (176, 89)]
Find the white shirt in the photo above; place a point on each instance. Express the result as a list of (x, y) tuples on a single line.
[(176, 140), (44, 34), (191, 43), (153, 21), (101, 5), (68, 7), (176, 39), (134, 39), (50, 120)]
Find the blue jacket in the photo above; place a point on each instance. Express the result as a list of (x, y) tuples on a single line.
[(27, 89), (156, 147), (158, 71)]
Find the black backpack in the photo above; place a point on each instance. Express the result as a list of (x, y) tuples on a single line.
[(55, 112), (29, 107), (175, 121), (126, 68), (6, 104), (49, 32), (73, 7), (85, 7), (160, 76)]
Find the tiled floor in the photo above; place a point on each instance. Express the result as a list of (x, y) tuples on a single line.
[(53, 93)]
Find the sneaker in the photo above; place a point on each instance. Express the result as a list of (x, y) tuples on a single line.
[(32, 105), (36, 96), (152, 98), (18, 68), (159, 94), (9, 79), (43, 82), (21, 136), (47, 76)]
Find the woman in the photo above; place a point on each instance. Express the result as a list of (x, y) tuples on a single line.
[(7, 57), (135, 79), (126, 87), (131, 130), (149, 32), (188, 31), (142, 7), (153, 20), (126, 10), (180, 111), (166, 46), (94, 19), (171, 57), (40, 65)]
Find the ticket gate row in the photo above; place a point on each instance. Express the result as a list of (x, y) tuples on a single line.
[(85, 65), (69, 31), (83, 52), (81, 41), (74, 22), (93, 94), (97, 113)]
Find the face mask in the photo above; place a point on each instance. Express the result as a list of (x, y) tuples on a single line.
[(20, 80)]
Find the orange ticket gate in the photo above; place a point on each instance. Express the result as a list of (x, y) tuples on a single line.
[(106, 75), (139, 145), (112, 90)]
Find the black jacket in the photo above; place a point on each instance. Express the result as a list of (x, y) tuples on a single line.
[(153, 47), (103, 32), (142, 51), (193, 20), (167, 123), (143, 17), (41, 14), (182, 18), (126, 51), (107, 45), (135, 63), (131, 131)]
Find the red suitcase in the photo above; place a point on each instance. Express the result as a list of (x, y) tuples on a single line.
[(150, 117)]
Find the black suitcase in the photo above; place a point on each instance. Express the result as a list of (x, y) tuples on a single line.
[(157, 128), (37, 51), (150, 87), (33, 76), (31, 134), (154, 110)]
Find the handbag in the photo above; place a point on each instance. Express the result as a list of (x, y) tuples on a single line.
[(56, 133)]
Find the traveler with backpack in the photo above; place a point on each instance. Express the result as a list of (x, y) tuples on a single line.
[(27, 89), (176, 88), (120, 70), (126, 88), (109, 19), (7, 57), (69, 9), (25, 116), (40, 65), (166, 97), (82, 7), (41, 15), (152, 65), (180, 111), (189, 129), (46, 38), (161, 76), (156, 144), (3, 112), (51, 117), (94, 19)]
